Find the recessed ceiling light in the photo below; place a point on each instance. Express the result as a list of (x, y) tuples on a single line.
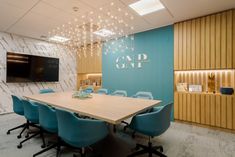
[(143, 7), (59, 39), (104, 33)]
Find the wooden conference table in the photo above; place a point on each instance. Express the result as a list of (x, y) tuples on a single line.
[(111, 109)]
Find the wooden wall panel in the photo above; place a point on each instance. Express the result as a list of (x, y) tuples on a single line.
[(193, 97), (217, 40), (180, 96), (202, 44), (217, 112), (176, 46), (193, 45), (207, 110), (213, 110), (229, 112), (184, 107), (206, 42), (212, 42), (233, 113), (198, 110), (223, 111), (229, 39), (176, 105), (202, 109), (189, 108)]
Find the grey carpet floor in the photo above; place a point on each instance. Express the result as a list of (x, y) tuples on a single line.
[(180, 140)]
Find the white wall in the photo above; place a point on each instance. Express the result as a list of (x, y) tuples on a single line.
[(13, 43)]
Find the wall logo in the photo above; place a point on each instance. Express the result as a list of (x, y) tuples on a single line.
[(135, 61)]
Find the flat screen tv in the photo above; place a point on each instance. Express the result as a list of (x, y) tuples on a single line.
[(29, 68)]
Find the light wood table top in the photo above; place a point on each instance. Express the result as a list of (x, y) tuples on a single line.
[(112, 109)]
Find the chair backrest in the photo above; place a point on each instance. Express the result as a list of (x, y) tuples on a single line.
[(120, 93), (143, 95), (154, 123), (47, 118), (30, 111), (18, 107), (79, 132), (48, 90), (102, 91), (89, 89)]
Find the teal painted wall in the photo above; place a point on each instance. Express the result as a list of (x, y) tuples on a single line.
[(156, 75)]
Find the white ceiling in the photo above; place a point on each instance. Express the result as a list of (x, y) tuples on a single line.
[(34, 18)]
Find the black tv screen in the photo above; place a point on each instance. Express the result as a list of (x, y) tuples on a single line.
[(29, 68)]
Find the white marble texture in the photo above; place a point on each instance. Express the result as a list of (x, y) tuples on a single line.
[(13, 43), (180, 140)]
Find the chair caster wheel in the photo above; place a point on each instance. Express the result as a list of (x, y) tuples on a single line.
[(19, 136), (43, 146), (137, 148), (161, 150), (19, 146), (8, 132), (27, 136)]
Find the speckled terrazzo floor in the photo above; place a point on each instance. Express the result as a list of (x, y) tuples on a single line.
[(180, 140)]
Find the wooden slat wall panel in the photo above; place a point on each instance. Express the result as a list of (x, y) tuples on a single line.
[(180, 96), (193, 97), (229, 114), (189, 108), (229, 39), (198, 44), (207, 110), (213, 110), (218, 40), (176, 105), (206, 42), (198, 110), (193, 45), (184, 107), (188, 45), (223, 52), (180, 52), (202, 110), (218, 111), (202, 44), (212, 42), (176, 46), (223, 111), (233, 113), (184, 46)]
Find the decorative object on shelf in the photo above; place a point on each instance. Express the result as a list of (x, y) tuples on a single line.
[(211, 82), (81, 95), (182, 87), (195, 88), (226, 90)]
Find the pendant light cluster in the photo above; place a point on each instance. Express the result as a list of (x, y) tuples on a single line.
[(109, 25)]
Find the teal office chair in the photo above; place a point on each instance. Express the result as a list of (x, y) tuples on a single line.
[(18, 109), (120, 93), (103, 91), (48, 90), (31, 114), (48, 123), (89, 89), (143, 95), (77, 132), (152, 124)]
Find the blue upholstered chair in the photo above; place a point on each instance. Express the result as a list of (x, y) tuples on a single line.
[(48, 90), (152, 124), (48, 123), (103, 91), (18, 109), (77, 132), (31, 114), (143, 95), (119, 93), (89, 89)]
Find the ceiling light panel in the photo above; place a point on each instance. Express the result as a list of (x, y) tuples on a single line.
[(144, 7)]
